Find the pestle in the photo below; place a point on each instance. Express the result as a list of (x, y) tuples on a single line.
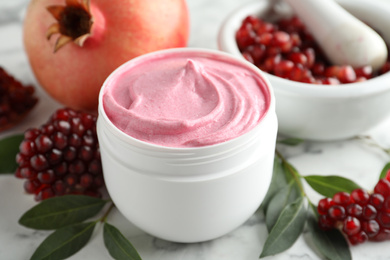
[(344, 39)]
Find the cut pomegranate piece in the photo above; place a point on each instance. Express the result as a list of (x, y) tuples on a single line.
[(16, 100)]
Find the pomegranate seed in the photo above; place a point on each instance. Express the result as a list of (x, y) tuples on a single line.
[(283, 68), (318, 69), (377, 200), (258, 53), (54, 156), (311, 57), (27, 147), (354, 210), (386, 205), (75, 141), (365, 72), (384, 219), (342, 198), (385, 68), (387, 177), (360, 196), (31, 134), (44, 194), (39, 162), (46, 177), (71, 180), (383, 187), (383, 234), (369, 212), (59, 188), (63, 127), (28, 173), (60, 140), (323, 206), (76, 167), (351, 226), (298, 58), (370, 227), (70, 153), (270, 62), (331, 81), (336, 212), (86, 180), (248, 56), (358, 238), (30, 186), (326, 222), (265, 39)]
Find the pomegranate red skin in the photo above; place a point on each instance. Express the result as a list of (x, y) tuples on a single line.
[(122, 30)]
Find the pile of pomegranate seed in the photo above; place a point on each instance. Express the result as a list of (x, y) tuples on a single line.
[(360, 216), (286, 49), (61, 157), (16, 100)]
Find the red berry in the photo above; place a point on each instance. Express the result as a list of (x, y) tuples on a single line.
[(61, 157)]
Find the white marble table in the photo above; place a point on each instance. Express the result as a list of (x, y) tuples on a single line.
[(350, 158)]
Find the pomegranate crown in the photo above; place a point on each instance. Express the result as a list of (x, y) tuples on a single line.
[(74, 22)]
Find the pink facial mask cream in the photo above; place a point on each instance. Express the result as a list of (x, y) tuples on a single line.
[(185, 99)]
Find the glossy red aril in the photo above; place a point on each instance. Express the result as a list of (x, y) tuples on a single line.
[(360, 215), (61, 157), (290, 39)]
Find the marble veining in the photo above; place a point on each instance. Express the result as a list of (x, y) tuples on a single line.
[(350, 158)]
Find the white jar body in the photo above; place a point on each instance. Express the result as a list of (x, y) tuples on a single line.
[(189, 194)]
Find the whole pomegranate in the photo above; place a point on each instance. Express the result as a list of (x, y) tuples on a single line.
[(73, 45)]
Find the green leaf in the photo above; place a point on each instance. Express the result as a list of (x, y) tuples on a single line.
[(64, 242), (384, 171), (291, 141), (117, 245), (278, 182), (9, 147), (329, 185), (61, 211), (286, 230), (284, 197), (331, 244)]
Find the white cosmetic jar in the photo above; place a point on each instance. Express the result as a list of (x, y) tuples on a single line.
[(188, 194)]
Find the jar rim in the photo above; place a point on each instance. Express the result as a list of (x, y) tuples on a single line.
[(266, 89)]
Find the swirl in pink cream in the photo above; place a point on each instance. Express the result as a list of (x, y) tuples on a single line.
[(185, 99)]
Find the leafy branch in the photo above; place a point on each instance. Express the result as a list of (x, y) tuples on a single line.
[(67, 215), (287, 207)]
